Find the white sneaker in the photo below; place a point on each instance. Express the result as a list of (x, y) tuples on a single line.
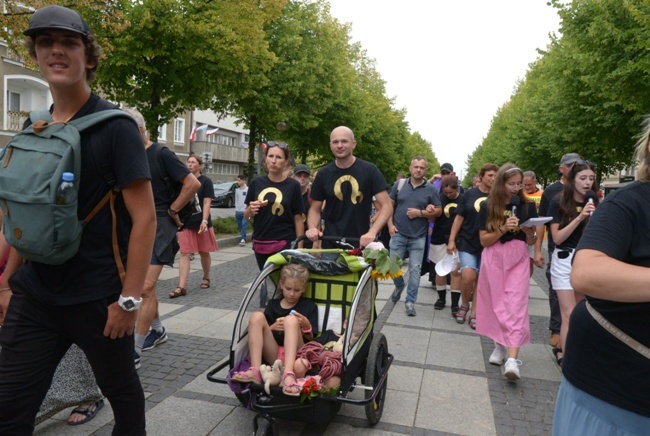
[(242, 243), (512, 369), (498, 355)]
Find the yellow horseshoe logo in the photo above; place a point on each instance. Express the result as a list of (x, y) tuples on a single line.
[(477, 203), (276, 208), (447, 210), (357, 196)]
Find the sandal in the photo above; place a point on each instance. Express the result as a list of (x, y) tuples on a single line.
[(178, 292), (89, 412), (472, 322), (290, 384), (205, 284), (461, 315), (245, 377)]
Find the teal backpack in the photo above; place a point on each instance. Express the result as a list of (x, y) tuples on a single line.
[(31, 166)]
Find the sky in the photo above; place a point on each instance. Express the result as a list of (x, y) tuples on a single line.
[(450, 63)]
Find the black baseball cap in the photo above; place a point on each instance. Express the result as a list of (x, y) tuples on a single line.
[(446, 167), (56, 17), (302, 168)]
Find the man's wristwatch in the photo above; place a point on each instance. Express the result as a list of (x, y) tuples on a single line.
[(129, 304), (172, 211), (420, 214)]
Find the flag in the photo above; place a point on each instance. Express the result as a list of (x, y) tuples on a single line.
[(196, 129), (211, 132)]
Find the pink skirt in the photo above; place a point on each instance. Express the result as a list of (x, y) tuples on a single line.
[(503, 290), (191, 242)]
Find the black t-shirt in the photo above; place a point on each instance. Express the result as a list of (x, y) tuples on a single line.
[(468, 208), (92, 274), (305, 307), (348, 194), (549, 194), (175, 169), (445, 221), (276, 220), (596, 361), (524, 211), (205, 191), (554, 211)]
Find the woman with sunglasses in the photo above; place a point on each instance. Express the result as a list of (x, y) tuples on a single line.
[(274, 203), (504, 282), (605, 387), (570, 211)]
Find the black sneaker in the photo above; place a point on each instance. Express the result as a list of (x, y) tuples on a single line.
[(397, 293), (440, 304)]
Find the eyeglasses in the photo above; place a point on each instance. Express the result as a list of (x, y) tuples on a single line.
[(282, 145)]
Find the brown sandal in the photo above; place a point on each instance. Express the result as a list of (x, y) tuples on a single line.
[(178, 292), (205, 284)]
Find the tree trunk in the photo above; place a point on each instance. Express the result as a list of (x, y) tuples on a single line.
[(252, 145)]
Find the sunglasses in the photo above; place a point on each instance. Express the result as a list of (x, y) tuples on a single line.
[(281, 145), (589, 163)]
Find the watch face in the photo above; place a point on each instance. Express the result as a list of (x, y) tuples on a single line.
[(129, 305)]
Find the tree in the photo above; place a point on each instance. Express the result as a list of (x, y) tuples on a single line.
[(180, 55)]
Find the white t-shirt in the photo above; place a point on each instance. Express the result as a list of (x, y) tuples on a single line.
[(240, 196)]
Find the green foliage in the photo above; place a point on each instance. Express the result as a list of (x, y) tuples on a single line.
[(180, 55), (586, 94), (227, 226)]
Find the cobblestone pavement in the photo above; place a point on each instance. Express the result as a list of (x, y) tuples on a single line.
[(440, 382)]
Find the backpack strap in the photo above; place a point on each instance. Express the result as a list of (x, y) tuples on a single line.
[(42, 115), (107, 174), (110, 197), (97, 117)]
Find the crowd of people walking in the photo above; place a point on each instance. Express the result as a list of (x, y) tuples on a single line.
[(488, 239)]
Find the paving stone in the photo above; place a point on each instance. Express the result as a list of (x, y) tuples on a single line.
[(434, 356)]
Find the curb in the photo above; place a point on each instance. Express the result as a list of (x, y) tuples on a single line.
[(231, 241)]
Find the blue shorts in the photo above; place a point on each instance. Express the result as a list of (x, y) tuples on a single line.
[(469, 260)]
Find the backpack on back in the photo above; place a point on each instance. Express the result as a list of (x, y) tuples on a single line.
[(31, 166)]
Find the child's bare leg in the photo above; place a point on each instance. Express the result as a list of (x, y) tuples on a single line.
[(292, 342), (301, 366), (261, 343), (332, 382)]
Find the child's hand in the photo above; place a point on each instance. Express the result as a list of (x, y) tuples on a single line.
[(278, 325)]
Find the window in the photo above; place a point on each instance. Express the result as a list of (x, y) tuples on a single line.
[(179, 130), (162, 133), (13, 101)]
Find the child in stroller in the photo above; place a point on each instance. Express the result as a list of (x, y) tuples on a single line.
[(282, 329)]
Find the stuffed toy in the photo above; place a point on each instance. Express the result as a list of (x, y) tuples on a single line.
[(271, 375)]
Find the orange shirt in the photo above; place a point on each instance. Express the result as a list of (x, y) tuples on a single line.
[(536, 197)]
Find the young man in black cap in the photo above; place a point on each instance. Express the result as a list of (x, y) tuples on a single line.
[(82, 301)]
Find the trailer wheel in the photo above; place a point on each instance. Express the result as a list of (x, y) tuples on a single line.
[(376, 365), (263, 425)]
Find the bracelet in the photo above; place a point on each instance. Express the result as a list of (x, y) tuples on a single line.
[(307, 331), (5, 289), (205, 221)]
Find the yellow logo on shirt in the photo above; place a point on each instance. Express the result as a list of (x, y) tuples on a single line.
[(356, 197), (477, 203), (276, 208)]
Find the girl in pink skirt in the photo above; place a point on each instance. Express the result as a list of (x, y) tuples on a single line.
[(504, 281), (197, 235)]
